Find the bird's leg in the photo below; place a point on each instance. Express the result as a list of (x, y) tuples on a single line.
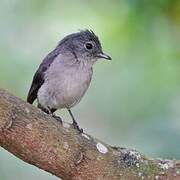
[(54, 116), (51, 112), (75, 124), (46, 110)]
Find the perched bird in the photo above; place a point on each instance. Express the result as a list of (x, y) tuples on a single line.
[(65, 73)]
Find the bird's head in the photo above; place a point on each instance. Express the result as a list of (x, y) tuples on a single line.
[(85, 45)]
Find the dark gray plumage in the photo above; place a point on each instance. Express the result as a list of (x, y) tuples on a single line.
[(65, 73)]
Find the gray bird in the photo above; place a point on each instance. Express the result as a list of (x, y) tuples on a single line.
[(65, 73)]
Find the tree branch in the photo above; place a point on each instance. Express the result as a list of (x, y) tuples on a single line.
[(40, 140)]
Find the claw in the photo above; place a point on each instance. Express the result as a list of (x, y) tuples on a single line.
[(76, 126), (57, 118)]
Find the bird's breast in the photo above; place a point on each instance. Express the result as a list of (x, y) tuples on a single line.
[(67, 86), (76, 83)]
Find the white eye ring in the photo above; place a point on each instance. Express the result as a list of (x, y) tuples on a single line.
[(89, 45)]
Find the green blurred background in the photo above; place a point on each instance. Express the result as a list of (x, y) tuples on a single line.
[(133, 101)]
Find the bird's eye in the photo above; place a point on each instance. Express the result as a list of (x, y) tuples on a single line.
[(89, 45)]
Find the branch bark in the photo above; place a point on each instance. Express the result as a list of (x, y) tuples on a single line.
[(40, 140)]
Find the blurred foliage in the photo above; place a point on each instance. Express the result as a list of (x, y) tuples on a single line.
[(138, 92)]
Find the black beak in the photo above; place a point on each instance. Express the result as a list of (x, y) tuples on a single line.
[(104, 56)]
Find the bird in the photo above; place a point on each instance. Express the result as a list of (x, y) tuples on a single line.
[(65, 73)]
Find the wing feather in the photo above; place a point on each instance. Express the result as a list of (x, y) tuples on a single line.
[(38, 78)]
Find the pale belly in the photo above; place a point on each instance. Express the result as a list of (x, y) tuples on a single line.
[(65, 91)]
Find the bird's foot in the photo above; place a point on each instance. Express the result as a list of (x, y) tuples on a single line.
[(76, 126), (45, 110), (57, 118)]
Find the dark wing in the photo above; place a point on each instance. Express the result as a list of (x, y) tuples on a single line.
[(38, 79)]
